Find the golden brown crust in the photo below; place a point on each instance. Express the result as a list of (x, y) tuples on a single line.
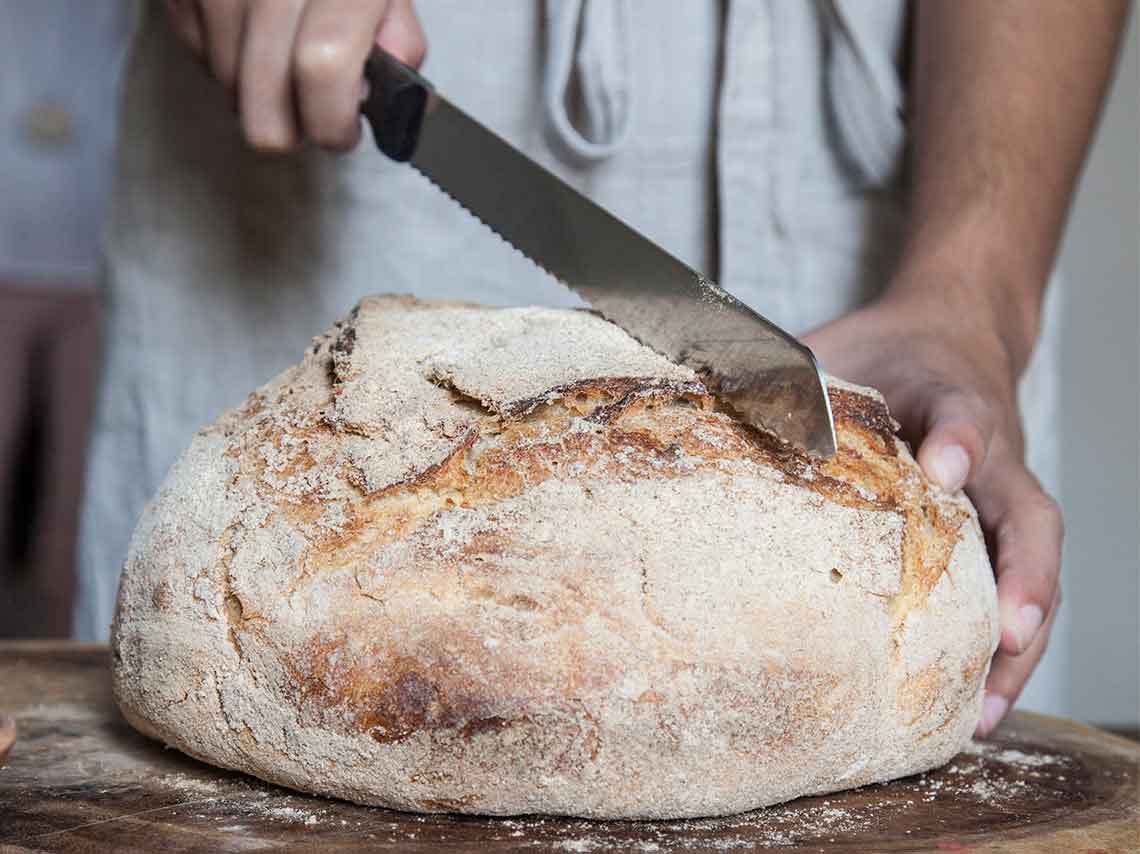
[(865, 413), (675, 427)]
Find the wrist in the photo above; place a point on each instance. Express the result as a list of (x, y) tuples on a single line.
[(965, 314), (977, 291)]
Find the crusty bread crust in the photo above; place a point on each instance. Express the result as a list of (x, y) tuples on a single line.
[(509, 561)]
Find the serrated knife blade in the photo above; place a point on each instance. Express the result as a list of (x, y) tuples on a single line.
[(766, 375)]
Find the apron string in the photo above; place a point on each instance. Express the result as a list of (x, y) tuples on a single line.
[(863, 87), (587, 55)]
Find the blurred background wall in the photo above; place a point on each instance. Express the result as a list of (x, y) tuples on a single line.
[(1101, 423), (59, 64)]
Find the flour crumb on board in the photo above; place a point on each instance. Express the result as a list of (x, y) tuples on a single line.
[(293, 814), (579, 844), (1011, 756), (990, 776), (195, 785)]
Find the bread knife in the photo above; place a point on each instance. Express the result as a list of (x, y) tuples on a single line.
[(770, 379)]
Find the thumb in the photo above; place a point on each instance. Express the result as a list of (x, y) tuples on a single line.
[(957, 433)]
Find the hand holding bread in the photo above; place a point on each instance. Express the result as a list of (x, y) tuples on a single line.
[(952, 383)]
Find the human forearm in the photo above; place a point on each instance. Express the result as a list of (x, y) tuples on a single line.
[(1004, 98)]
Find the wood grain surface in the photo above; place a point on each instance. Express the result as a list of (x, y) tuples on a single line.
[(80, 779)]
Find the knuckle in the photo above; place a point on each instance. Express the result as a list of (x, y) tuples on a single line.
[(965, 401), (320, 60), (984, 416), (980, 435), (967, 414), (1047, 508), (974, 401)]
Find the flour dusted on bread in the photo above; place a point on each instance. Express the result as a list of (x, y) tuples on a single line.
[(509, 561)]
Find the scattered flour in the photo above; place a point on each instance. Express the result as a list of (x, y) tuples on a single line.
[(986, 775), (292, 814), (1010, 756), (1026, 760), (197, 785)]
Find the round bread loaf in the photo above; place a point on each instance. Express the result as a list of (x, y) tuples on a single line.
[(510, 561)]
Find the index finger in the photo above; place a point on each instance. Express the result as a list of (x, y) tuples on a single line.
[(1008, 675), (1025, 530)]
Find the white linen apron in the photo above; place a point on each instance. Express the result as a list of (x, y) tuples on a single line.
[(759, 140)]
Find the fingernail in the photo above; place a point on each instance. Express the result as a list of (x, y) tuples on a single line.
[(1029, 619), (950, 467), (993, 710)]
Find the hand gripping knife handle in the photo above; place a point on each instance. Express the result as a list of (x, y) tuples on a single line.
[(395, 104)]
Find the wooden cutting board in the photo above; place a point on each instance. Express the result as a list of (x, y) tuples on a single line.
[(80, 779)]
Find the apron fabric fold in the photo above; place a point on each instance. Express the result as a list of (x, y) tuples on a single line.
[(587, 65)]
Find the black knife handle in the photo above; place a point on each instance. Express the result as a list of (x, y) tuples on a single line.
[(395, 105)]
